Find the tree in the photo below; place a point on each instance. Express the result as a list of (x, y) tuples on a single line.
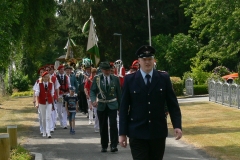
[(174, 54), (128, 17), (216, 25)]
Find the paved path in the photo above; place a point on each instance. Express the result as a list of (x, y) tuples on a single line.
[(85, 145), (194, 99)]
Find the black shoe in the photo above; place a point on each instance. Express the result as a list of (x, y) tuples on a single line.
[(65, 128), (51, 131), (104, 150), (114, 149)]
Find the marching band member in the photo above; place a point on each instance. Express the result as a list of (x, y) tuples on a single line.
[(105, 94), (56, 94), (83, 105), (64, 81), (91, 109), (44, 93), (40, 72)]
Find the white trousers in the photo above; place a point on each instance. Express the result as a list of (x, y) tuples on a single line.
[(40, 121), (90, 112), (62, 114), (45, 110), (53, 117), (96, 124)]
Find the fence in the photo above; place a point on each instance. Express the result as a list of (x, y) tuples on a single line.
[(224, 93), (189, 87)]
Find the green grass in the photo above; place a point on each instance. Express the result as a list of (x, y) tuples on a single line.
[(20, 154), (213, 128)]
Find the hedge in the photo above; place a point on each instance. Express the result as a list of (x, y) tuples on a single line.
[(177, 85), (200, 89), (20, 94)]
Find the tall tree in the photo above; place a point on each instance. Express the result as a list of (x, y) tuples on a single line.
[(216, 25), (128, 17)]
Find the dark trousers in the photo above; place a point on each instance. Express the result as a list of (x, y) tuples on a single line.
[(147, 149), (103, 124), (83, 106)]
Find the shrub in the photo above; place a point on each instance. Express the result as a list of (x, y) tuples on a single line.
[(177, 85), (20, 153), (200, 89), (20, 94), (221, 71), (20, 81)]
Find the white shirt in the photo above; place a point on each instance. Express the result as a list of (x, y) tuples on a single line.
[(56, 84), (144, 74), (108, 79), (37, 91)]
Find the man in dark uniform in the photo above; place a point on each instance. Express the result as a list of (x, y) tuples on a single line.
[(105, 94), (142, 110)]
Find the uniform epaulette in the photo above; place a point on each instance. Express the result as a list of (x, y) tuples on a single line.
[(162, 71), (114, 75)]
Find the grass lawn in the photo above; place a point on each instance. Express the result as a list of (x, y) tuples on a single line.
[(17, 111), (213, 128)]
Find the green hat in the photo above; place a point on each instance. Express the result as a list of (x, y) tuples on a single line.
[(105, 65)]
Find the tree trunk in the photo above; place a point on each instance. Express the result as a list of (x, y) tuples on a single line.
[(2, 85)]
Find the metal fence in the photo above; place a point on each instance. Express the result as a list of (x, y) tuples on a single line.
[(189, 87), (224, 93)]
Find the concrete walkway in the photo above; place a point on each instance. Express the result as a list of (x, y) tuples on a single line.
[(85, 145)]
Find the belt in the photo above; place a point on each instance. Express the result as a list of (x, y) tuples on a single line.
[(107, 101)]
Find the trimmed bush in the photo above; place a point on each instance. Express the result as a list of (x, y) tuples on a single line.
[(200, 89), (20, 94), (177, 85)]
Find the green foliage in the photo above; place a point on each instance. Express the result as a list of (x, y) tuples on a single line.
[(126, 17), (215, 77), (215, 24), (221, 71), (198, 75), (20, 81), (237, 80), (200, 89), (20, 153), (177, 85), (174, 54), (21, 94)]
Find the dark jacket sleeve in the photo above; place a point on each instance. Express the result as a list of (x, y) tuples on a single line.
[(124, 107), (172, 105), (94, 90), (118, 90)]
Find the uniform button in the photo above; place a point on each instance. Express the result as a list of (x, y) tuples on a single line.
[(148, 102), (149, 112), (148, 94), (149, 121)]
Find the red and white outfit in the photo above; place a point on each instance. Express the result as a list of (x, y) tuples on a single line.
[(45, 100), (39, 113), (54, 112), (65, 84), (88, 85)]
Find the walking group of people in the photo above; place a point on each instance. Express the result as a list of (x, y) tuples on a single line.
[(123, 105)]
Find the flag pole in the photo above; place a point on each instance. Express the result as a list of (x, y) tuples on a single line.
[(149, 25)]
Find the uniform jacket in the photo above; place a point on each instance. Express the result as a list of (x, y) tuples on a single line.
[(74, 82), (112, 92), (81, 82), (142, 110)]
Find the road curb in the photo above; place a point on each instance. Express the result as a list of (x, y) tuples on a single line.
[(38, 156)]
